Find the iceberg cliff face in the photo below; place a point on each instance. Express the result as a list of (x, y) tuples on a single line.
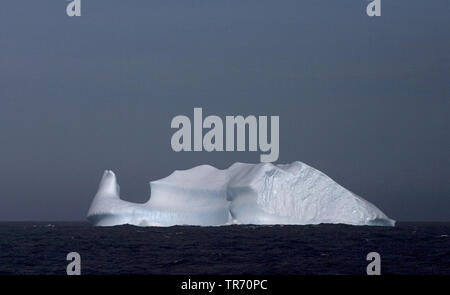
[(244, 194)]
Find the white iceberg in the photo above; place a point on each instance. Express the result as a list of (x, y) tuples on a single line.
[(242, 194)]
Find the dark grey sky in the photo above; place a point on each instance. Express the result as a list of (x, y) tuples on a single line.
[(365, 100)]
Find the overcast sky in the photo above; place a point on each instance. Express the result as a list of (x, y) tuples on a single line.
[(365, 100)]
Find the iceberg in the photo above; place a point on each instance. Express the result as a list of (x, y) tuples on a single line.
[(261, 193)]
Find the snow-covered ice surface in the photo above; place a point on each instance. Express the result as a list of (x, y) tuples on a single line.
[(244, 194)]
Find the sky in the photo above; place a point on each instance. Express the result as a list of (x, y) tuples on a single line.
[(365, 100)]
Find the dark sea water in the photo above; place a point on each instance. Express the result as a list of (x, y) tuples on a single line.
[(41, 248)]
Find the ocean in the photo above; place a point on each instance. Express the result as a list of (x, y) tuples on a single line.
[(41, 248)]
